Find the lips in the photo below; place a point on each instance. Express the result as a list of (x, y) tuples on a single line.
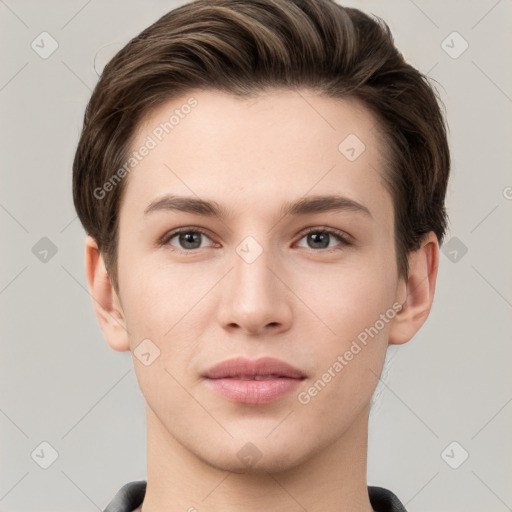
[(259, 369), (253, 382)]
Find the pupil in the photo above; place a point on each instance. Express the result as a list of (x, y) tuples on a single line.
[(188, 238), (318, 238)]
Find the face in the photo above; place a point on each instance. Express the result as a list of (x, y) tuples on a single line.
[(314, 286)]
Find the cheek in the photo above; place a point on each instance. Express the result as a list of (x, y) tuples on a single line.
[(165, 303), (356, 311), (348, 360), (149, 288), (351, 300), (160, 307)]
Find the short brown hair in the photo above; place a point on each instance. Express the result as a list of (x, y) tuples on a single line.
[(244, 47)]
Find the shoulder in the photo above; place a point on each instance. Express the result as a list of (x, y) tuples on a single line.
[(128, 498), (383, 500)]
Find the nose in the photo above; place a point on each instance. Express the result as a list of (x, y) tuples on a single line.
[(255, 298)]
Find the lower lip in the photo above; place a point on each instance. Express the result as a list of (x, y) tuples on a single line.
[(254, 391)]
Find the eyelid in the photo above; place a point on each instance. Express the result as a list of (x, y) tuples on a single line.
[(333, 231), (344, 238), (167, 237)]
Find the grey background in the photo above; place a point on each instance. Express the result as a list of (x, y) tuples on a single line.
[(60, 383)]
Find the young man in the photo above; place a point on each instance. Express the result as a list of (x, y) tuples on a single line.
[(262, 184)]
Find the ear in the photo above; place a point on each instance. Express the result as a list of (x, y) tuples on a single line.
[(105, 300), (416, 293)]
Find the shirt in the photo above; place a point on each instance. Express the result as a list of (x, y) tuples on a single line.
[(131, 495)]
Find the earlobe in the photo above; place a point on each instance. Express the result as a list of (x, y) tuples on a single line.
[(105, 300), (419, 291)]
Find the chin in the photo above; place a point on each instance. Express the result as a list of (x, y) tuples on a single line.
[(253, 458)]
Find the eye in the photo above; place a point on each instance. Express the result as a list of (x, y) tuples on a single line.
[(320, 238), (189, 239)]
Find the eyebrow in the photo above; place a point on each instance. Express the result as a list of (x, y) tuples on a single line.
[(303, 206)]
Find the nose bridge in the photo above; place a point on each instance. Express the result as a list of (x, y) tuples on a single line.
[(253, 281), (254, 299)]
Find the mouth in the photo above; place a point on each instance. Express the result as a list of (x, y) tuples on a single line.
[(248, 369), (254, 382), (257, 377)]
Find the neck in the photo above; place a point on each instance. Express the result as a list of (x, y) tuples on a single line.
[(332, 480)]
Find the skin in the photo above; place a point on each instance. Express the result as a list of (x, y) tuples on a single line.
[(296, 302)]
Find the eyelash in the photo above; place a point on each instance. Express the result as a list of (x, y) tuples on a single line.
[(340, 235)]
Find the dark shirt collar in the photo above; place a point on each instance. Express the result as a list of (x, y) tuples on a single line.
[(131, 495)]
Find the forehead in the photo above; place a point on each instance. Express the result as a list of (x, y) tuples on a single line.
[(277, 145)]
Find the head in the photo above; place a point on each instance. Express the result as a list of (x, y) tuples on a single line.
[(259, 108)]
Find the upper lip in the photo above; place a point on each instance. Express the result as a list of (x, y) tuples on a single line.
[(243, 367)]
